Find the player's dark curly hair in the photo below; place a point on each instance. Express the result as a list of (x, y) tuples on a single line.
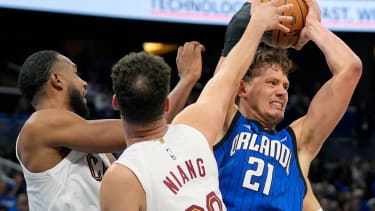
[(270, 56), (35, 71), (141, 82)]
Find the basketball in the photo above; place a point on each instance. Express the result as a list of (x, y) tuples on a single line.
[(283, 40)]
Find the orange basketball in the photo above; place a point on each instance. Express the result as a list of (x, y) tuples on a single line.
[(283, 40)]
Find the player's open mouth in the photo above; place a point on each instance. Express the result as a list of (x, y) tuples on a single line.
[(277, 105)]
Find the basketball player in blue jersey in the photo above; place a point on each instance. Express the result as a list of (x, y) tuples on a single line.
[(62, 153), (264, 169), (171, 167)]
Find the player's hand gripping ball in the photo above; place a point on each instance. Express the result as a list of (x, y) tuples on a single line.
[(284, 40)]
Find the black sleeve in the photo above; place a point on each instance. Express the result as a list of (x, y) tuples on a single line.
[(236, 27)]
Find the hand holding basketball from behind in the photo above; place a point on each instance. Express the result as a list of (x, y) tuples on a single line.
[(271, 14), (313, 17)]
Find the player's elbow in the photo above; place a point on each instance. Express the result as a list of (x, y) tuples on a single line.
[(355, 68)]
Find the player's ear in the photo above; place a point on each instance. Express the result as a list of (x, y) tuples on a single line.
[(56, 80), (242, 88), (167, 105), (115, 102)]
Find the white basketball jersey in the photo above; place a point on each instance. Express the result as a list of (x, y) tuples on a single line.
[(73, 184), (177, 172)]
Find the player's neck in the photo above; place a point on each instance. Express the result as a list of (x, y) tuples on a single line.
[(138, 133), (47, 99), (50, 103), (266, 124)]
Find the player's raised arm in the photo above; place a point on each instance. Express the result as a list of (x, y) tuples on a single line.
[(189, 70), (216, 96), (332, 99)]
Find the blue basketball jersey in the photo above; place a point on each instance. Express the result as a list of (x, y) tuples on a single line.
[(259, 169)]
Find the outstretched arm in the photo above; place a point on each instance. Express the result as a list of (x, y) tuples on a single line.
[(189, 70), (331, 101), (233, 33)]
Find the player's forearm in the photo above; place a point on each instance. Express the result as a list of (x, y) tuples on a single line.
[(235, 65), (240, 57), (179, 96)]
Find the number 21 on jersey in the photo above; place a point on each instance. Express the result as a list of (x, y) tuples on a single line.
[(261, 170)]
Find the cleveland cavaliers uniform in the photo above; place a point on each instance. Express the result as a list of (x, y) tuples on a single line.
[(177, 172), (258, 169), (73, 184)]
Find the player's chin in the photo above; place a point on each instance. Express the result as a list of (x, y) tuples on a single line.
[(278, 115)]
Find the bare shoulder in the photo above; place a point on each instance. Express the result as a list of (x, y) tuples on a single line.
[(49, 119), (119, 174), (35, 140), (41, 125), (297, 127), (50, 115), (121, 180)]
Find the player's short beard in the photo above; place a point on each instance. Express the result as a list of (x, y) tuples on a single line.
[(77, 104)]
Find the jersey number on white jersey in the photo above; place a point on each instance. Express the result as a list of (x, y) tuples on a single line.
[(213, 203)]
